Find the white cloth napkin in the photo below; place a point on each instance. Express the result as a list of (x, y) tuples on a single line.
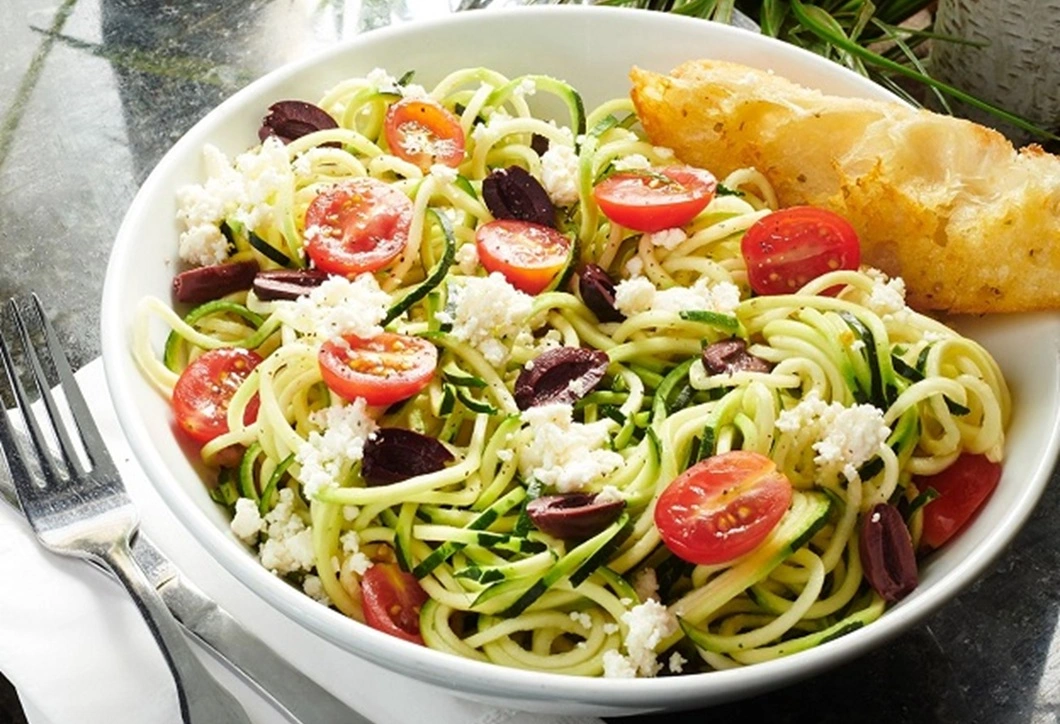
[(78, 652)]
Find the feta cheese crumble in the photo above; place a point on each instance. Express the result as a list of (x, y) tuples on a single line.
[(338, 306), (289, 546), (467, 258), (247, 522), (325, 458), (887, 296), (668, 239), (649, 623), (559, 174), (846, 437), (486, 312), (638, 294), (565, 454), (314, 588), (356, 560), (244, 191)]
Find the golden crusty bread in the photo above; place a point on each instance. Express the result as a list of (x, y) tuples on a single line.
[(970, 224)]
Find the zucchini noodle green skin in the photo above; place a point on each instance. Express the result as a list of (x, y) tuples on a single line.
[(500, 590)]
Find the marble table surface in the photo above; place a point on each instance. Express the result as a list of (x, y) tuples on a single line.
[(92, 94)]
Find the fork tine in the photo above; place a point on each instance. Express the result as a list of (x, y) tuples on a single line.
[(22, 403), (30, 350), (93, 442), (16, 463)]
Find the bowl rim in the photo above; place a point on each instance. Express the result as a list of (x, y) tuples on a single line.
[(486, 679)]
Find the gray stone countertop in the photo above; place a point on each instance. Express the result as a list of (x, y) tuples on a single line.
[(93, 93)]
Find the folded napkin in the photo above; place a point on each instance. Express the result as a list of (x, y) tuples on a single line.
[(78, 652)]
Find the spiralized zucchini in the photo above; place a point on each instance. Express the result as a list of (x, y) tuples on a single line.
[(500, 590)]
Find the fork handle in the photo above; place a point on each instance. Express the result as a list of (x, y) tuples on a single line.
[(202, 699)]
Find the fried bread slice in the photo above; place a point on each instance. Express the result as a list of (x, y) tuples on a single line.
[(972, 225)]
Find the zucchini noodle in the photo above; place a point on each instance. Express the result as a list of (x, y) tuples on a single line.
[(498, 589)]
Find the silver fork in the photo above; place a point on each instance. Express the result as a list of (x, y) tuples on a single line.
[(75, 500)]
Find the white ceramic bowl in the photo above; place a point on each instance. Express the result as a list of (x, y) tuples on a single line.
[(592, 48)]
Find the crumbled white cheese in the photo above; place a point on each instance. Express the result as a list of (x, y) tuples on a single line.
[(505, 455), (648, 623), (663, 152), (635, 266), (559, 174), (646, 584), (414, 90), (247, 522), (326, 457), (583, 619), (350, 512), (244, 191), (314, 588), (609, 494), (203, 245), (668, 239), (289, 546), (609, 628), (617, 666), (887, 295), (846, 437), (635, 295), (337, 307), (677, 663), (932, 336), (565, 454), (443, 173), (486, 312), (467, 258), (638, 294), (356, 560), (526, 87), (633, 162), (382, 80)]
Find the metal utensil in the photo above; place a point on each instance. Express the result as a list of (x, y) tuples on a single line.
[(300, 699), (71, 493)]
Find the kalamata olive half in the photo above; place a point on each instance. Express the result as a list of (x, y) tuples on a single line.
[(397, 454), (731, 355), (573, 515), (206, 283), (287, 283), (886, 551), (597, 289), (512, 193), (560, 375), (289, 120)]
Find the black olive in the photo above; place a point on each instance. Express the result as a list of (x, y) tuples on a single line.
[(562, 374), (597, 290), (512, 193), (574, 515), (395, 454), (731, 355), (289, 120)]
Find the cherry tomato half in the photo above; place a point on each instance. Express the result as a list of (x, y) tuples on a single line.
[(793, 246), (528, 255), (383, 370), (423, 132), (205, 389), (963, 487), (357, 226), (722, 507), (652, 202), (392, 601)]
